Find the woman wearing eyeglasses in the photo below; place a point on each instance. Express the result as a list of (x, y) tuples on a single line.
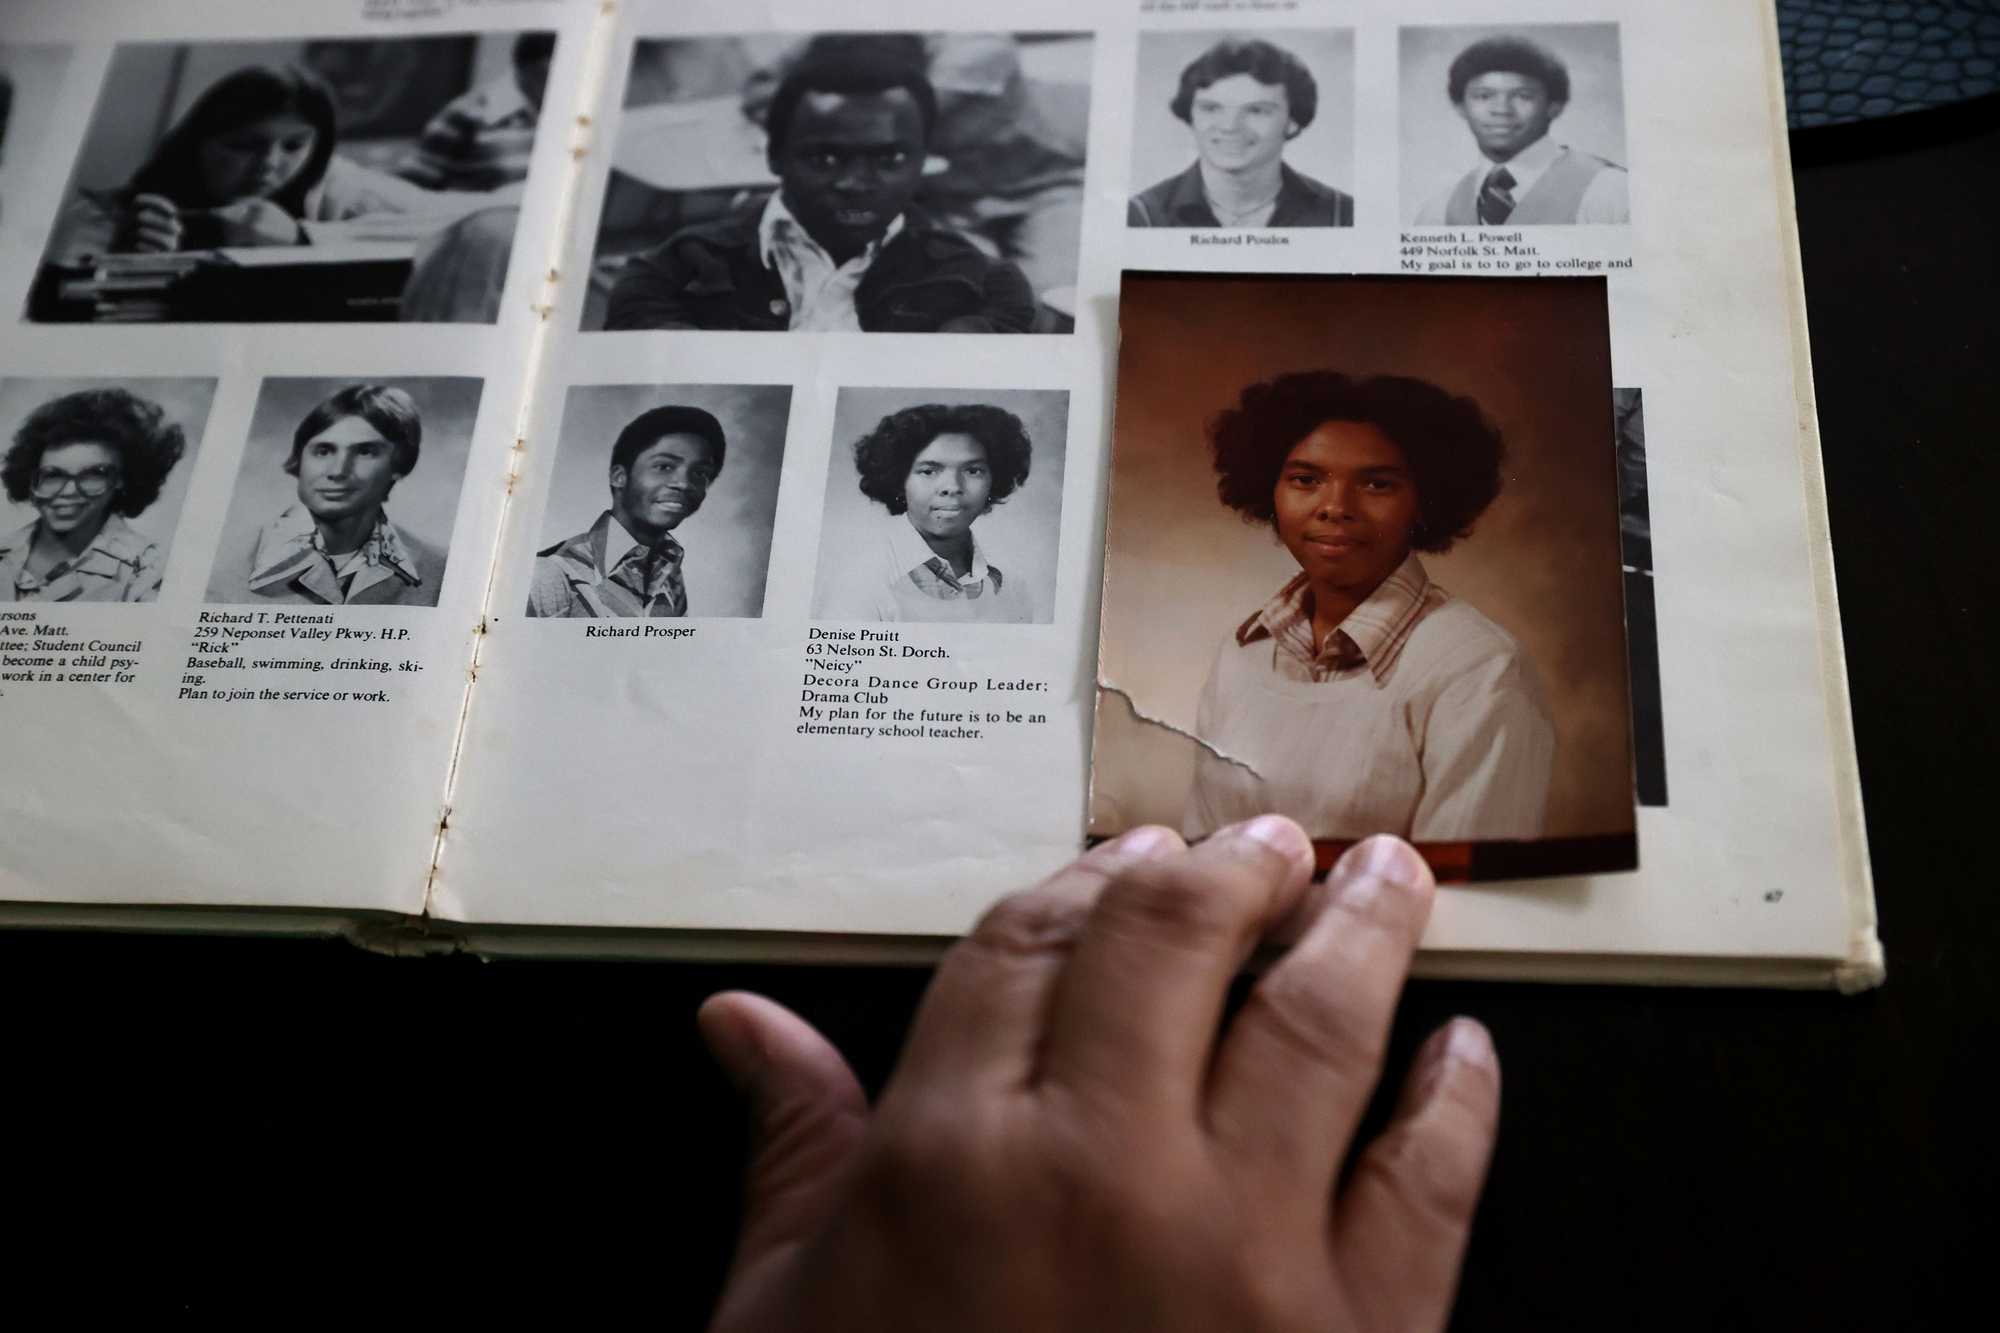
[(87, 461)]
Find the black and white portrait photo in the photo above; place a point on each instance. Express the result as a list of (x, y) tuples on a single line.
[(943, 505), (663, 503), (95, 474), (1520, 126), (1251, 129), (29, 78), (347, 492), (869, 182), (302, 181)]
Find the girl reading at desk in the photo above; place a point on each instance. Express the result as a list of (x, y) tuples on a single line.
[(252, 160)]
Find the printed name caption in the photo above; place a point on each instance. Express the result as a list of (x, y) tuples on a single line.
[(298, 645), (37, 651), (1488, 252), (596, 629), (851, 688)]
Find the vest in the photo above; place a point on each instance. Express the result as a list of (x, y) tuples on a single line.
[(1555, 198)]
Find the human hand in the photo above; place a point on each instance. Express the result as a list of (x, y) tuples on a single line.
[(1068, 1142), (257, 222), (153, 224)]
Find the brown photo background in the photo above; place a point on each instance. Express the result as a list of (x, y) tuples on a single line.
[(1182, 572)]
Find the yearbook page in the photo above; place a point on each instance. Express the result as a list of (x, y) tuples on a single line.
[(794, 626), (269, 290)]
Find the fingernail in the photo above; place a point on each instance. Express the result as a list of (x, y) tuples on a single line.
[(1469, 1043), (1276, 832), (1385, 857), (1142, 844)]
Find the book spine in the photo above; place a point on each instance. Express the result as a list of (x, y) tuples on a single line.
[(581, 127)]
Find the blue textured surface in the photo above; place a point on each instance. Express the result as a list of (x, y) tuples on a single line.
[(1859, 59)]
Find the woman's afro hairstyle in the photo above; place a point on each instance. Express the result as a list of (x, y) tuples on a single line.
[(883, 456), (147, 444), (1452, 450)]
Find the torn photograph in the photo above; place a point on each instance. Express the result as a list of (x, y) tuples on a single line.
[(1520, 126), (664, 501), (310, 521), (1243, 129), (943, 505), (885, 182), (96, 473), (1362, 567), (309, 181)]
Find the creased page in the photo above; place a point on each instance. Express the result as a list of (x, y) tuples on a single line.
[(270, 277), (795, 621)]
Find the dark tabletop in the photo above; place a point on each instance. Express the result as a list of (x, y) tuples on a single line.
[(233, 1119)]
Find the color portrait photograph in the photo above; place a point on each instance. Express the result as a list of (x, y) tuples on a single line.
[(307, 181), (664, 501), (1363, 568), (880, 182)]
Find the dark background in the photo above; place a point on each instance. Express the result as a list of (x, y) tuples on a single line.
[(208, 1123)]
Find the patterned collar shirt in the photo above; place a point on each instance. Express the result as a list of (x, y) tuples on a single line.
[(607, 572), (291, 552), (121, 564), (902, 579), (932, 574), (650, 573), (819, 291), (1371, 636)]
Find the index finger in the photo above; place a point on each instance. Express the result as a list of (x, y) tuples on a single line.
[(1136, 1011)]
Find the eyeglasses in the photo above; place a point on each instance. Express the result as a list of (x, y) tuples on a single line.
[(90, 483)]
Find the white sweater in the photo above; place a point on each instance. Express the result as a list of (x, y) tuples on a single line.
[(1449, 740)]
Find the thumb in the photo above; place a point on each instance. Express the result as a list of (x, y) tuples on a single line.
[(807, 1116)]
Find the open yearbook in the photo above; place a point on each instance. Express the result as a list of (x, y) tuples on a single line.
[(739, 478)]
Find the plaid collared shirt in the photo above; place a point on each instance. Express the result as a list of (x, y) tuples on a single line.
[(291, 551), (1371, 637)]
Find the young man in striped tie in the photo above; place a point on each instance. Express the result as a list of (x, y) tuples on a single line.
[(1510, 91)]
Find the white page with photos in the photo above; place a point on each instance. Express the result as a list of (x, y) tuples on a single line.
[(786, 718), (268, 278)]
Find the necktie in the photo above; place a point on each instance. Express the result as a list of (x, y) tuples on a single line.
[(653, 574), (1496, 197)]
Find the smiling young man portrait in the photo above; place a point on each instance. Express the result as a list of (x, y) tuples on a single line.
[(336, 546), (1510, 92), (838, 245), (1243, 102), (628, 563)]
